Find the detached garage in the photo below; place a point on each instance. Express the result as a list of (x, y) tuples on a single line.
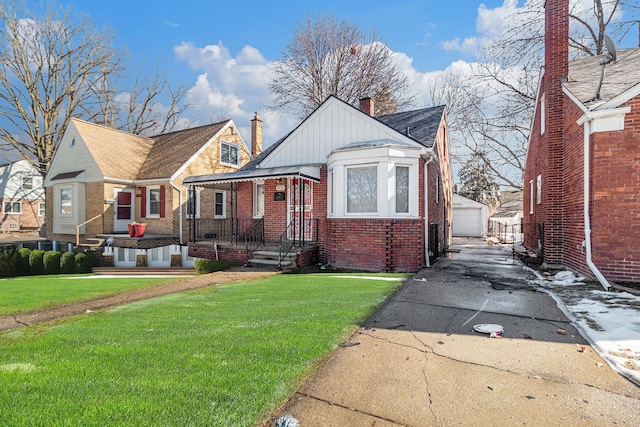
[(470, 218)]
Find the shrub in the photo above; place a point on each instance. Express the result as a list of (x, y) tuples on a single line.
[(8, 261), (82, 264), (204, 266), (36, 262), (51, 262), (23, 261), (67, 263)]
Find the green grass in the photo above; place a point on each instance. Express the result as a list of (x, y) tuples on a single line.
[(218, 356), (20, 294)]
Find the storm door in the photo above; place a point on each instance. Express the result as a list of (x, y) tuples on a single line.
[(300, 206)]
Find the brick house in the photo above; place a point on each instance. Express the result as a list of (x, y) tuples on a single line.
[(343, 188), (101, 180), (582, 173), (21, 197)]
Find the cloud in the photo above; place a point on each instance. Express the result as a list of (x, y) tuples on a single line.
[(170, 24)]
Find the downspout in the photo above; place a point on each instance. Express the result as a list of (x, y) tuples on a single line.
[(426, 211), (587, 222), (179, 209)]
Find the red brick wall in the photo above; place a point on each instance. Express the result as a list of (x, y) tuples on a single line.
[(376, 244)]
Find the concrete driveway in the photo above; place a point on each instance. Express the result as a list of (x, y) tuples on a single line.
[(419, 362)]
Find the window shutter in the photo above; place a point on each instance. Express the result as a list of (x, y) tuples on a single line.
[(162, 199), (143, 202)]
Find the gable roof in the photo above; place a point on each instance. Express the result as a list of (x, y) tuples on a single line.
[(172, 150), (622, 78), (126, 156), (118, 154), (420, 125)]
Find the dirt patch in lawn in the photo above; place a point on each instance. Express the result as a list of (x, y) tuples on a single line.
[(28, 318)]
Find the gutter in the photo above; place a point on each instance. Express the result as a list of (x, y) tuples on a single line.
[(587, 222), (180, 207)]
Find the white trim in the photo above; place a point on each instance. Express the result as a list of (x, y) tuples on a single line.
[(44, 210), (533, 117), (543, 113), (256, 213), (620, 99), (538, 189), (224, 204), (531, 197), (605, 120), (148, 190)]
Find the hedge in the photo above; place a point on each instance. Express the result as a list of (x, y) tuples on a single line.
[(67, 263), (51, 262), (204, 266), (36, 262)]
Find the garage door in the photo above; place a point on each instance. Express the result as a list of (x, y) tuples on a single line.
[(467, 222)]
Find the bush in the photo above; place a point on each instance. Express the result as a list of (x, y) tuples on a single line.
[(51, 262), (82, 264), (204, 266), (23, 261), (8, 261), (67, 263), (36, 262)]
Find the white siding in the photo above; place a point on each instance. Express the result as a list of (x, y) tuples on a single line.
[(11, 181), (332, 126), (69, 158), (66, 224)]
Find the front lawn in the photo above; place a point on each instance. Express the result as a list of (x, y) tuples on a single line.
[(226, 355), (18, 294)]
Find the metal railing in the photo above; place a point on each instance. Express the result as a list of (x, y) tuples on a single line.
[(232, 230), (506, 233), (297, 234), (254, 238)]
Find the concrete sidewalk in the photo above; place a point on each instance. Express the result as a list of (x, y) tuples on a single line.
[(418, 361)]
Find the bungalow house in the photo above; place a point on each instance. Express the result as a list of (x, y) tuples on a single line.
[(343, 188), (21, 197), (582, 173), (102, 180)]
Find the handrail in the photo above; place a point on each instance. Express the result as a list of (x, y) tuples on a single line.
[(300, 236), (80, 225), (255, 235)]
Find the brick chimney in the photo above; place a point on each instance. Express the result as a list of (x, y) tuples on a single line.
[(366, 105), (556, 59), (256, 136)]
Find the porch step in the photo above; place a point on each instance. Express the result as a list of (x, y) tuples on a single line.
[(270, 259), (144, 271)]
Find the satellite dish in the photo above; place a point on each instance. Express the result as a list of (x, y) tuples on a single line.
[(610, 57), (611, 48), (110, 240)]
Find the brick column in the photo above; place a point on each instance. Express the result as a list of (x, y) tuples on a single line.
[(556, 69)]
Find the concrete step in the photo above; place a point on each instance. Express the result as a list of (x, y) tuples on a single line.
[(272, 264), (265, 254)]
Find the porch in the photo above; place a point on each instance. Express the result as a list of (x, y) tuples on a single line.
[(243, 241)]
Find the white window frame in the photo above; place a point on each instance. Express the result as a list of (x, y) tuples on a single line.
[(42, 209), (330, 192), (27, 182), (346, 188), (256, 212), (188, 203), (12, 204), (224, 204), (239, 153), (538, 189), (531, 197), (395, 189), (153, 188), (60, 191)]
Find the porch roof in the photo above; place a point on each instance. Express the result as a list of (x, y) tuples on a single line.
[(311, 172)]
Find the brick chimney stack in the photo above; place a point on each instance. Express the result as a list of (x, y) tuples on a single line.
[(556, 58), (366, 105), (256, 136)]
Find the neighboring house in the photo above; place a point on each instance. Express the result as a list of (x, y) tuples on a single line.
[(364, 192), (506, 222), (470, 218), (21, 196), (582, 176), (101, 180)]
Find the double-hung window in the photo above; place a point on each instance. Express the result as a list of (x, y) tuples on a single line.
[(402, 189), (66, 201), (12, 208), (220, 204), (153, 202), (229, 154)]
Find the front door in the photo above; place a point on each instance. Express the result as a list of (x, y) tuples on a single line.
[(300, 206), (123, 208)]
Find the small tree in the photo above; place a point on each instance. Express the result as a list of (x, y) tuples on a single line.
[(36, 262), (51, 262), (8, 261)]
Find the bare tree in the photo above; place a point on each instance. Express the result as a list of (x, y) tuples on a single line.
[(55, 65), (490, 109), (330, 56), (140, 110), (47, 66)]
